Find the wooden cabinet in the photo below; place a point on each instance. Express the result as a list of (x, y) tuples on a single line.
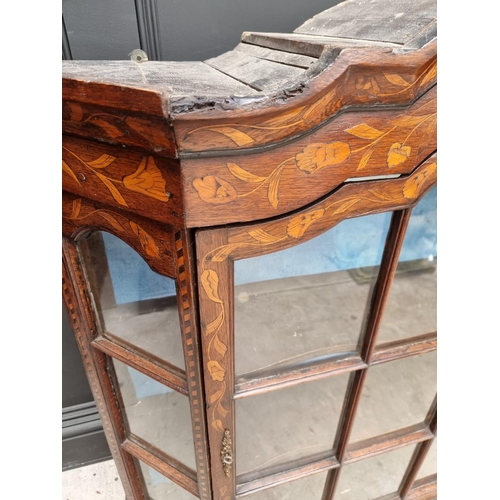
[(249, 260)]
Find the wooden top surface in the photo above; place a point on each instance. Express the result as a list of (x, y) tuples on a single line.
[(267, 63)]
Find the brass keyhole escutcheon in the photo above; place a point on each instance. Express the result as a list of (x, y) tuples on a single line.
[(226, 453)]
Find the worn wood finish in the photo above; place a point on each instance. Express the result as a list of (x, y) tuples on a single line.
[(280, 56), (147, 237), (424, 489), (83, 324), (237, 189), (123, 178), (391, 351), (115, 126), (215, 285)]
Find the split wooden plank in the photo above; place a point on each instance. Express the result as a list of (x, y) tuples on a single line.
[(279, 56), (260, 74), (306, 45)]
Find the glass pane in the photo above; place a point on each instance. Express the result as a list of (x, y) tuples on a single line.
[(287, 424), (134, 303), (307, 302), (374, 477), (397, 394), (429, 467), (308, 488), (411, 306), (161, 488), (156, 413)]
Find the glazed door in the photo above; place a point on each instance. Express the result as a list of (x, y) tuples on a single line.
[(319, 347), (130, 298)]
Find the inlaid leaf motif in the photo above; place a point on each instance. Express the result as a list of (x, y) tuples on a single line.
[(365, 159), (215, 324), (413, 185), (111, 220), (380, 195), (364, 131), (110, 129), (216, 396), (272, 192), (216, 371), (102, 162), (430, 74), (221, 410), (214, 190), (149, 130), (145, 239), (217, 424), (243, 175), (317, 156), (298, 225), (147, 180), (223, 252), (345, 206), (408, 121), (396, 79), (263, 236), (76, 111), (219, 346), (210, 283), (237, 136), (279, 121), (75, 208), (319, 105), (112, 189), (397, 154), (70, 172)]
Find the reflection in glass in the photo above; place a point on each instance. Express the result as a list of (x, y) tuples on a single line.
[(160, 487), (307, 302), (397, 394), (303, 489), (429, 467), (411, 307), (134, 303), (287, 424), (374, 477), (156, 413)]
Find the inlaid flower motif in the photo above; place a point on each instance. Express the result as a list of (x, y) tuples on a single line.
[(397, 154), (298, 225), (216, 371), (367, 85), (317, 156), (212, 189), (414, 184), (145, 239), (147, 179)]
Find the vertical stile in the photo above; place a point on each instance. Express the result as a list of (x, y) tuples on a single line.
[(390, 257), (188, 307), (83, 324), (420, 453)]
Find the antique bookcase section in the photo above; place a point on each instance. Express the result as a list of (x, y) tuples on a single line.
[(290, 347)]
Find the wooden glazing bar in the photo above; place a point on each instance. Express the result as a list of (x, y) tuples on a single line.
[(191, 341), (294, 470), (424, 489), (420, 452), (94, 362), (261, 384), (162, 374), (399, 349), (393, 244), (387, 442), (170, 468)]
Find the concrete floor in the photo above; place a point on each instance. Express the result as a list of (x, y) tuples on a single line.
[(298, 421)]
